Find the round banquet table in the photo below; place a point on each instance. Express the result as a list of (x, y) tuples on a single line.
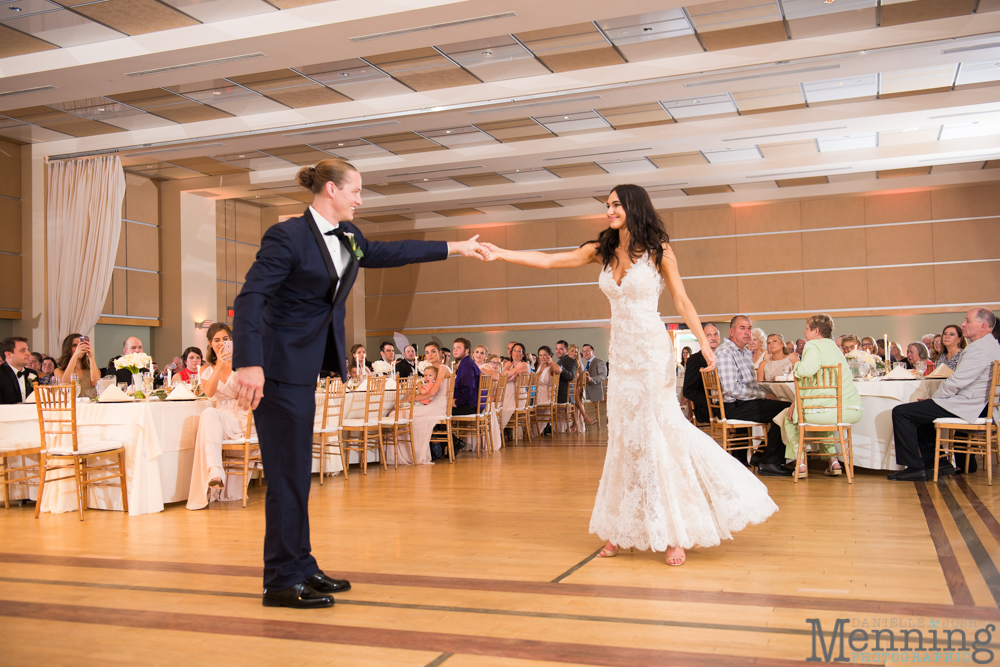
[(874, 447)]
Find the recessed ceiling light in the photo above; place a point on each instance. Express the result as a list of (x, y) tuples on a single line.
[(345, 74), (340, 144), (565, 117), (839, 83), (517, 170), (242, 156), (425, 180), (647, 29), (487, 53), (100, 108), (447, 131), (697, 102), (216, 92), (149, 167)]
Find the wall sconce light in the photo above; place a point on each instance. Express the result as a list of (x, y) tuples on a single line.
[(203, 324)]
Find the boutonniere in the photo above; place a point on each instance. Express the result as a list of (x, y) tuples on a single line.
[(354, 245)]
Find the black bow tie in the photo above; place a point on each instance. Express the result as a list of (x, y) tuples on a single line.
[(22, 373), (337, 231)]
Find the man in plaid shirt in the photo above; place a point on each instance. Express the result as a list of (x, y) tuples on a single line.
[(747, 400)]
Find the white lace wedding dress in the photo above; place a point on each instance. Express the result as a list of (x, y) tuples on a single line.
[(665, 483)]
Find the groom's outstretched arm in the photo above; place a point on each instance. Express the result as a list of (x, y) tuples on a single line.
[(387, 254)]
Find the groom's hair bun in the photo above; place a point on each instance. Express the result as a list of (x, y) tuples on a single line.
[(315, 178)]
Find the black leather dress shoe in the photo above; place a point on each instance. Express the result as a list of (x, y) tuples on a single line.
[(945, 471), (773, 470), (321, 583), (909, 475), (299, 596), (755, 459)]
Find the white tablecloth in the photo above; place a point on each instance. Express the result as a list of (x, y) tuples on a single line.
[(158, 439), (354, 408), (872, 437)]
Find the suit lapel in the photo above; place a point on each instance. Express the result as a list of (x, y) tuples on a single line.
[(350, 273), (324, 251)]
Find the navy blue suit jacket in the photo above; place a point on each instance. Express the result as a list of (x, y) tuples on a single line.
[(289, 315)]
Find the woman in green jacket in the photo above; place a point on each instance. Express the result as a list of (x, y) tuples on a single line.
[(821, 350)]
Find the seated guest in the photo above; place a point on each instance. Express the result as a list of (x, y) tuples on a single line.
[(694, 384), (132, 345), (35, 362), (567, 370), (916, 357), (494, 362), (800, 345), (430, 378), (779, 363), (446, 357), (868, 345), (839, 341), (928, 341), (466, 379), (746, 400), (896, 352), (16, 379), (387, 352), (758, 347), (192, 365), (226, 421), (953, 344), (685, 355), (820, 350), (849, 343), (480, 354), (427, 414), (936, 349), (789, 348), (407, 366), (963, 396), (359, 360), (47, 374), (77, 358)]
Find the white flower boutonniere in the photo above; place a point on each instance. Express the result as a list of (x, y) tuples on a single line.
[(358, 254)]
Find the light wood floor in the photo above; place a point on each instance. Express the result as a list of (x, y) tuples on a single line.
[(488, 562)]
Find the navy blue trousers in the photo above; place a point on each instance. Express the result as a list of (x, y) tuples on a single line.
[(284, 420)]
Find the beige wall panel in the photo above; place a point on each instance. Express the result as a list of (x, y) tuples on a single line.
[(231, 219), (445, 235), (583, 303), (588, 273), (668, 222), (576, 232), (952, 284), (220, 260), (966, 239), (834, 212), (713, 295), (247, 223), (705, 222), (765, 294), (398, 280), (142, 199), (533, 235), (434, 310), (388, 312), (665, 306), (834, 249), (220, 219), (10, 170), (230, 261), (525, 275), (120, 285), (434, 276), (965, 202), (533, 305), (477, 308), (245, 255), (121, 254), (778, 252), (826, 290), (143, 294), (143, 247), (10, 223), (903, 244), (476, 274), (897, 207), (777, 217), (220, 301), (495, 235), (109, 302), (706, 257), (902, 286), (10, 295)]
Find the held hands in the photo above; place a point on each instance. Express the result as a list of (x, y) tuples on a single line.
[(249, 386), (470, 248), (492, 252)]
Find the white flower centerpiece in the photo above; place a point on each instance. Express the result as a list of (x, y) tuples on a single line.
[(133, 363), (862, 363), (381, 367)]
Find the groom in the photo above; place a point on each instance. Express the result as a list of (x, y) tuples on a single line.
[(288, 326)]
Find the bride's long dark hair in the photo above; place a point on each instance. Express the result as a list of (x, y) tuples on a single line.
[(645, 227)]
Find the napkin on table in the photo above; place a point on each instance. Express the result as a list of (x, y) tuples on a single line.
[(181, 393), (899, 374), (941, 371), (114, 395)]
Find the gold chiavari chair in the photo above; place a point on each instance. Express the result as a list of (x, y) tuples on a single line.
[(364, 433), (326, 435), (477, 425), (62, 450), (822, 387), (29, 473), (564, 411), (978, 438), (241, 455), (721, 427), (499, 393), (399, 427), (524, 409), (444, 436)]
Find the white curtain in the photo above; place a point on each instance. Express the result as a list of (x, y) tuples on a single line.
[(83, 220)]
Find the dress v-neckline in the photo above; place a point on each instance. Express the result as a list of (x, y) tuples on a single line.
[(629, 269)]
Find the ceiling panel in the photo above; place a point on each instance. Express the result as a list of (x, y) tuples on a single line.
[(113, 113), (769, 99), (707, 105), (517, 129), (352, 149), (576, 169), (909, 135), (14, 43), (18, 130), (538, 175), (423, 69), (495, 59), (61, 27), (652, 35), (300, 154), (207, 165), (169, 105), (572, 47), (465, 135), (60, 121), (789, 148), (812, 18), (402, 143), (968, 130), (626, 165), (535, 205), (898, 12), (392, 217), (477, 180), (166, 171), (955, 168), (732, 155), (290, 88), (796, 182), (755, 185), (255, 160), (355, 78), (19, 8), (436, 184), (228, 96), (841, 89), (636, 115), (574, 123), (847, 142), (678, 160), (208, 11), (707, 190), (457, 212), (393, 188), (940, 78), (735, 23), (900, 173), (135, 17), (981, 72)]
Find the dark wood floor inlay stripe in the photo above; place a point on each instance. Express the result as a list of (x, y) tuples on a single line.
[(982, 510), (889, 607), (512, 648), (953, 576), (576, 567), (984, 562)]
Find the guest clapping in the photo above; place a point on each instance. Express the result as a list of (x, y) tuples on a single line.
[(953, 344), (192, 365), (77, 359)]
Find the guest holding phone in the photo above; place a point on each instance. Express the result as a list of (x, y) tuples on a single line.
[(77, 359)]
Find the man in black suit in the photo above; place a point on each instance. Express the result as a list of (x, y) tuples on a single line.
[(407, 366), (15, 378), (694, 384), (132, 345), (567, 370), (289, 325)]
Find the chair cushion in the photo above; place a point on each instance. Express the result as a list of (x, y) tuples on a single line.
[(85, 447), (328, 429), (960, 422), (738, 422), (389, 421), (358, 423), (827, 426)]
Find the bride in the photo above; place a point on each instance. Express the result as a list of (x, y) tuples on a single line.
[(666, 485)]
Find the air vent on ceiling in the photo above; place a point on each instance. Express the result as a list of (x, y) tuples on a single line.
[(977, 47), (495, 201), (801, 171), (24, 91), (574, 157), (435, 171), (433, 26), (760, 76), (203, 63), (328, 130), (535, 104)]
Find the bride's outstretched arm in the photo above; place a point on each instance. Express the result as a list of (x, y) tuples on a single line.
[(585, 254), (672, 276)]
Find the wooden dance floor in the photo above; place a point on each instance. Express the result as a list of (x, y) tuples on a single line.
[(489, 562)]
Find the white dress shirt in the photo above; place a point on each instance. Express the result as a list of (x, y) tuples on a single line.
[(338, 252)]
